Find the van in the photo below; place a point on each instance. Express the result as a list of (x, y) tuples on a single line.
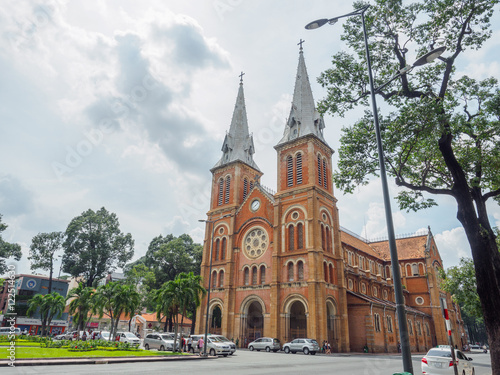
[(215, 346)]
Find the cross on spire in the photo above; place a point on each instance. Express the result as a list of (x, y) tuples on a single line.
[(241, 77), (300, 43)]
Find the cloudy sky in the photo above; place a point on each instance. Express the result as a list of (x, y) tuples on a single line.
[(124, 104)]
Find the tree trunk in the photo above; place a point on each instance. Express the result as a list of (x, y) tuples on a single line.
[(487, 266), (193, 321), (50, 278)]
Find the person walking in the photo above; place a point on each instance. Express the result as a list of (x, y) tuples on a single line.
[(201, 344), (189, 342), (328, 348)]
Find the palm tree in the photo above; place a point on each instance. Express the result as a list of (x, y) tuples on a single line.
[(81, 304), (133, 302), (176, 296), (113, 299), (48, 306)]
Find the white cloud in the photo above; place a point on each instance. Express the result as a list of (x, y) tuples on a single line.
[(452, 245)]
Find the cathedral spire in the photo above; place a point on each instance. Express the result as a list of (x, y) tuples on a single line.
[(238, 143), (304, 119)]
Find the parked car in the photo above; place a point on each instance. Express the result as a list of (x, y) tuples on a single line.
[(438, 361), (129, 337), (302, 345), (231, 344), (214, 346), (265, 343), (160, 341)]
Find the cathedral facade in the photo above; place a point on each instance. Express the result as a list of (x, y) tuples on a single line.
[(282, 266)]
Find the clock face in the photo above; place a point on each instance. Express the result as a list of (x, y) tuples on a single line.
[(255, 205)]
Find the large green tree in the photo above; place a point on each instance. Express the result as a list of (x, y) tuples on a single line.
[(7, 250), (48, 306), (442, 134), (95, 245), (42, 251)]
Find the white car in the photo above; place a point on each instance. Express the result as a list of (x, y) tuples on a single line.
[(129, 337), (438, 361)]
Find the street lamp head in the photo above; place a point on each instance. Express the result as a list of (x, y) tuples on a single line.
[(430, 56), (315, 24)]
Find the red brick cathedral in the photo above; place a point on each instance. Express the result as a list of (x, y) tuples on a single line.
[(283, 267)]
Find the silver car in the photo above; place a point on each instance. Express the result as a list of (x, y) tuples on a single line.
[(265, 343), (223, 339), (160, 341), (302, 345)]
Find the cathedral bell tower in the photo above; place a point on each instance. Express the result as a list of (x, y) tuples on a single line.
[(308, 230)]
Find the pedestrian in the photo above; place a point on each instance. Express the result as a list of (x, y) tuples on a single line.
[(328, 348), (201, 343), (84, 337), (189, 342), (183, 343), (399, 347)]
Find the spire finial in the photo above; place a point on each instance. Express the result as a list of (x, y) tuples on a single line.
[(300, 44), (241, 77)]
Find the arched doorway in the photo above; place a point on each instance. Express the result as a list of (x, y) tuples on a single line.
[(331, 325), (216, 321), (255, 322), (298, 320)]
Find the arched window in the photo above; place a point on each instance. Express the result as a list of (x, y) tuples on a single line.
[(262, 274), (419, 328), (410, 327), (291, 238), (388, 272), (377, 322), (300, 236), (247, 276), (254, 276), (327, 239), (221, 192), (331, 274), (427, 329), (389, 323), (245, 188), (290, 271), (289, 171), (408, 270), (320, 180), (421, 269), (214, 279), (228, 187), (325, 181), (221, 279), (216, 252), (323, 236), (325, 271), (414, 269), (300, 270), (223, 249), (298, 168)]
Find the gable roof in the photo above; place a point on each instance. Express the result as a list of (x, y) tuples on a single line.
[(355, 242)]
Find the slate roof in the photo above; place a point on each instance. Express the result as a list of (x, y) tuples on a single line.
[(385, 303), (238, 143), (304, 119)]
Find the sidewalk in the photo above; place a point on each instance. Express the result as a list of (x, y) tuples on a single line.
[(97, 360)]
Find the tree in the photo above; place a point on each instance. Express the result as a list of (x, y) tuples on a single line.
[(81, 304), (114, 299), (442, 136), (42, 250), (7, 250), (95, 245), (48, 306), (460, 282)]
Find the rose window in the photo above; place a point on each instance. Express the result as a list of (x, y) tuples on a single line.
[(255, 243)]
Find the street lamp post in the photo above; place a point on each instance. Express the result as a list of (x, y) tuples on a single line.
[(210, 277), (398, 289)]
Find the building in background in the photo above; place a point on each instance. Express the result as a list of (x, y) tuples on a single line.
[(283, 267), (26, 286)]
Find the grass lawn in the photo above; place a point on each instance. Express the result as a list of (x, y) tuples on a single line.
[(30, 352)]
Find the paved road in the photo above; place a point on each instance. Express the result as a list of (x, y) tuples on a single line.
[(244, 362)]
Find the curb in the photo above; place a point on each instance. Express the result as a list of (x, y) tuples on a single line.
[(96, 360)]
